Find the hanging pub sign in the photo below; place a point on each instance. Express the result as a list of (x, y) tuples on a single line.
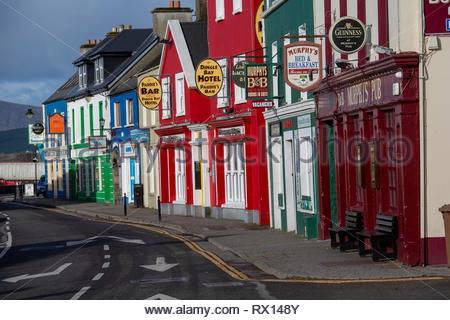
[(35, 133), (209, 77), (37, 128), (256, 81), (437, 17), (259, 24), (150, 92), (238, 73), (303, 65), (347, 35), (56, 123)]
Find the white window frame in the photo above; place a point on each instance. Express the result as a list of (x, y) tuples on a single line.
[(99, 70), (180, 96), (117, 114), (222, 96), (82, 76), (235, 186), (220, 10), (239, 93), (275, 76), (305, 169), (129, 111), (84, 67), (166, 101), (237, 6), (180, 175), (302, 32), (287, 88)]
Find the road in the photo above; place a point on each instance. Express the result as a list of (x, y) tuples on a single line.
[(56, 256)]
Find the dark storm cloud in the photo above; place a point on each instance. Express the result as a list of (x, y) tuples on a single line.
[(41, 38)]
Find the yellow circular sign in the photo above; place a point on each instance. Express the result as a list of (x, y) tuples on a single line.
[(150, 92), (259, 24), (209, 77)]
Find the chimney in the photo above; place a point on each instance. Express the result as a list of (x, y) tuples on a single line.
[(121, 27), (112, 33), (87, 46), (201, 10), (173, 12)]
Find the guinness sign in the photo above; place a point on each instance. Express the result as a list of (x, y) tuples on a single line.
[(348, 35)]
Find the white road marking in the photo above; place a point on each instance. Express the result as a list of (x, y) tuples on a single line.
[(106, 247), (161, 296), (160, 265), (80, 293), (92, 239), (105, 265), (39, 275), (223, 284), (107, 256), (98, 277)]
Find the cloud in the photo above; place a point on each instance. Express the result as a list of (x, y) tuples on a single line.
[(28, 92)]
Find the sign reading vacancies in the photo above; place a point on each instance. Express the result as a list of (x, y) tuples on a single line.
[(257, 81), (347, 35), (209, 77), (303, 61), (437, 17), (150, 92)]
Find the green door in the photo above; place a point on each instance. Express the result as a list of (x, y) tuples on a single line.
[(332, 173)]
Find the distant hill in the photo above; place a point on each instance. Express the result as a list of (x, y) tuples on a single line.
[(14, 141), (12, 115)]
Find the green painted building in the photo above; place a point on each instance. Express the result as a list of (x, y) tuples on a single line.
[(290, 124)]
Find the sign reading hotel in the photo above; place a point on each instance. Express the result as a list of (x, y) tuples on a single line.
[(437, 17), (56, 123), (150, 92), (209, 77), (257, 81), (303, 61), (347, 35)]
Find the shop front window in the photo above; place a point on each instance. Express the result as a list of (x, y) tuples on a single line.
[(304, 171), (235, 174)]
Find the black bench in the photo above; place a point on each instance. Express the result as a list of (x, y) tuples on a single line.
[(347, 235), (383, 237)]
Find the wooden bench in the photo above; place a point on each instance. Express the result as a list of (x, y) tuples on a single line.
[(383, 237), (347, 235)]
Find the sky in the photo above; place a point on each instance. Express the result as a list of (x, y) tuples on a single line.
[(41, 38)]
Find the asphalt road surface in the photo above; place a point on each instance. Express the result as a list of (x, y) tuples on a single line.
[(55, 256)]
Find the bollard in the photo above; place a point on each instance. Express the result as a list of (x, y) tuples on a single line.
[(159, 208), (125, 204)]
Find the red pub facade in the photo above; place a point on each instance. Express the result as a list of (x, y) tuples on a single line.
[(369, 148)]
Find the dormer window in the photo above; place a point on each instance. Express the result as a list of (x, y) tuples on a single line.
[(82, 76), (99, 74)]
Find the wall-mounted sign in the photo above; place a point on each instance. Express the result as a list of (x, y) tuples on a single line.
[(38, 128), (437, 17), (259, 24), (34, 138), (275, 129), (262, 104), (209, 77), (347, 35), (56, 123), (238, 73), (303, 65), (177, 138), (235, 131), (97, 142), (257, 81), (140, 135), (150, 92)]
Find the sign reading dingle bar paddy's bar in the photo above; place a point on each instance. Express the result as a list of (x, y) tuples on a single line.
[(348, 35), (150, 92), (209, 77), (303, 61), (256, 81)]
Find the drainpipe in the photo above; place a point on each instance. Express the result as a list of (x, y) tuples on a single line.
[(423, 138)]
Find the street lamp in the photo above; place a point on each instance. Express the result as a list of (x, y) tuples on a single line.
[(29, 113), (35, 160), (102, 123)]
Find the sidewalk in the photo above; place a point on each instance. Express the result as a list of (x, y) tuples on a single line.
[(281, 254)]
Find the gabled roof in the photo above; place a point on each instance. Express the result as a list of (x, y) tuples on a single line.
[(62, 92), (191, 43)]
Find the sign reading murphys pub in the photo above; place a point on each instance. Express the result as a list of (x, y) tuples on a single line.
[(209, 77), (303, 61), (150, 92), (347, 35)]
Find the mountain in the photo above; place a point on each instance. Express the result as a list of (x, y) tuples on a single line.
[(12, 115), (13, 141)]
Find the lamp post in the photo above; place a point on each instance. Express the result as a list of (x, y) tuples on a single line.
[(35, 160), (29, 113)]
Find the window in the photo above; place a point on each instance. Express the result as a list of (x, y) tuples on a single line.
[(275, 71), (391, 152), (99, 75), (222, 96), (302, 32), (82, 76), (179, 92), (116, 114), (239, 93), (234, 174), (180, 174), (304, 171), (220, 10), (287, 88), (237, 6), (129, 107), (166, 98)]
